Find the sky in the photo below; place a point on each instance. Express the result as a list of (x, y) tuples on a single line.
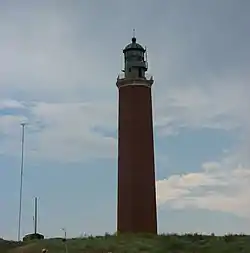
[(59, 61)]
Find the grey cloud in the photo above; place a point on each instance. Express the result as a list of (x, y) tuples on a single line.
[(56, 52)]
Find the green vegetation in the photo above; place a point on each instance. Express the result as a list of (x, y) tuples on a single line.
[(135, 244), (32, 237)]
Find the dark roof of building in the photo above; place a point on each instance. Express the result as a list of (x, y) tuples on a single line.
[(134, 45)]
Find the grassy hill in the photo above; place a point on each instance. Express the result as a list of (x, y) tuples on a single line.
[(135, 244), (5, 246)]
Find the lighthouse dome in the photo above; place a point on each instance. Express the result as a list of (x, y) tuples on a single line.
[(134, 46)]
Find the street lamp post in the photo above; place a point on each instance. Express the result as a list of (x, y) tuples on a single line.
[(64, 239), (21, 184)]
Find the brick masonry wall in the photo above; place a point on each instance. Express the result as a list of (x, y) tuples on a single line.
[(136, 209)]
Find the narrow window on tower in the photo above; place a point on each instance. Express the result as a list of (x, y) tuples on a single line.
[(129, 69), (140, 73)]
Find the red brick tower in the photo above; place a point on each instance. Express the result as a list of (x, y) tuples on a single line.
[(136, 208)]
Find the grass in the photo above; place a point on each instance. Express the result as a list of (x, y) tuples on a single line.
[(135, 244)]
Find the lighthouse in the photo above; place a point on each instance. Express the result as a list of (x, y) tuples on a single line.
[(136, 204)]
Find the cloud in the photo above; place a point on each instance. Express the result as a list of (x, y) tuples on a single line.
[(219, 186), (10, 104), (48, 54), (73, 125), (221, 104), (70, 130), (62, 131), (56, 57)]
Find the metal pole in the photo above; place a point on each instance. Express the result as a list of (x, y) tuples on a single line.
[(65, 240), (35, 215), (21, 185)]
